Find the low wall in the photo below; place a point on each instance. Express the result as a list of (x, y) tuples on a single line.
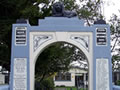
[(60, 89), (4, 87), (116, 87)]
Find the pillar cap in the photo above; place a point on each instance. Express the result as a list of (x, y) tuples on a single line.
[(101, 21)]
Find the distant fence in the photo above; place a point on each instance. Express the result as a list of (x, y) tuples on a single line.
[(60, 89), (4, 87), (116, 87)]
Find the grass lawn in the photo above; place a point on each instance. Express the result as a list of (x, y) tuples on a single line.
[(73, 88)]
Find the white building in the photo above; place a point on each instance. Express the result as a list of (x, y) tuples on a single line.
[(76, 76), (2, 79)]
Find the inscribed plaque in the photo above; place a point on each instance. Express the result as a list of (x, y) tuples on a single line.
[(21, 36), (20, 74), (102, 74)]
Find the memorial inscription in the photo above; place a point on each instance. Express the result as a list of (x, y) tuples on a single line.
[(20, 74), (102, 74)]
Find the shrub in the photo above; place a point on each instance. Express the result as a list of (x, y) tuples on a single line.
[(46, 84), (118, 82)]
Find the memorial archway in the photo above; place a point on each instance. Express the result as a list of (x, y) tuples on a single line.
[(29, 41)]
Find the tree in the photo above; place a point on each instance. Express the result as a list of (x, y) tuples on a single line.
[(115, 41), (115, 33), (116, 63), (11, 11), (57, 57), (88, 10), (33, 10)]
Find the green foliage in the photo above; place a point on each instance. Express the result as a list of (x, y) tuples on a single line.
[(118, 82), (11, 11), (52, 59), (115, 39), (55, 58), (86, 9), (69, 4), (115, 62), (90, 11), (4, 56), (73, 88), (115, 25), (46, 83)]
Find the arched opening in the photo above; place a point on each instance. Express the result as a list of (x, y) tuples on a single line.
[(61, 65)]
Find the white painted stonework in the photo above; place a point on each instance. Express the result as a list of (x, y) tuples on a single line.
[(20, 74), (102, 74), (82, 39), (41, 40)]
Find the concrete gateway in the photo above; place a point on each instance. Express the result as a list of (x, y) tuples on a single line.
[(29, 41)]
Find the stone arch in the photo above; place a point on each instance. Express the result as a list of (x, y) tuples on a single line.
[(60, 29), (79, 47), (50, 44), (57, 38)]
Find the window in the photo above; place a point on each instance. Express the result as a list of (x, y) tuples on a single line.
[(63, 76)]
